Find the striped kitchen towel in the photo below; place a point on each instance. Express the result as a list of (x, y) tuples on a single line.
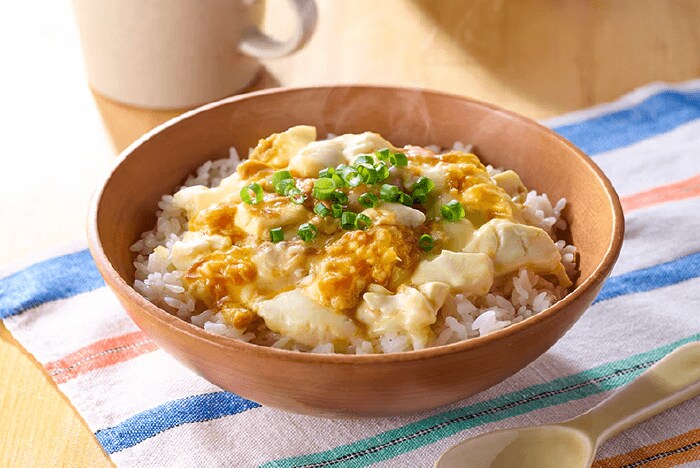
[(147, 410)]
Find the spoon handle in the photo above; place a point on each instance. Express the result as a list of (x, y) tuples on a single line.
[(672, 380)]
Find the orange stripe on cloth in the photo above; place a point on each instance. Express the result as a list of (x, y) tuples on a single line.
[(688, 188), (678, 450), (100, 354)]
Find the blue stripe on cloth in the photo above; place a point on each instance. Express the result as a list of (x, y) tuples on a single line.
[(655, 115), (55, 278), (175, 413), (646, 279)]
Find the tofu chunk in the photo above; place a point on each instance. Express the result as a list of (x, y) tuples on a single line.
[(296, 315), (279, 148), (512, 246), (257, 220), (467, 273), (409, 312)]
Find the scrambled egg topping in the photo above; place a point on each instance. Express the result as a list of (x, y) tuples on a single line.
[(322, 280)]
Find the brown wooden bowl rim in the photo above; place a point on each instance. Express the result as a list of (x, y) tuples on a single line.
[(119, 286)]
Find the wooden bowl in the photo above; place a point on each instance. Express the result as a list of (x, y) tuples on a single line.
[(355, 385)]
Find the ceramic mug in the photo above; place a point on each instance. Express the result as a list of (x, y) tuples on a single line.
[(170, 54)]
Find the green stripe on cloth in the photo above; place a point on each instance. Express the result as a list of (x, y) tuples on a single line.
[(398, 441)]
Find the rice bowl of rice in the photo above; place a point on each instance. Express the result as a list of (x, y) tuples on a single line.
[(147, 242)]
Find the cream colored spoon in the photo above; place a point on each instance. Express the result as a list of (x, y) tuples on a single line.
[(574, 443)]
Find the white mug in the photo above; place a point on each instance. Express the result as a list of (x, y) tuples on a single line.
[(170, 54)]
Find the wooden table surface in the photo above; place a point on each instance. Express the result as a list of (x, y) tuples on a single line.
[(539, 58)]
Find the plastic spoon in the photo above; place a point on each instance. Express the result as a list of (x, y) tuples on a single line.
[(574, 443)]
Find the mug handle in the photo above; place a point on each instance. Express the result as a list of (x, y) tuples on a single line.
[(256, 43)]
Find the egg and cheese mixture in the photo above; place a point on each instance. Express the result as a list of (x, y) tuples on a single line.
[(350, 244)]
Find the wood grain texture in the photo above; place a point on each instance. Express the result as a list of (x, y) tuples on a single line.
[(540, 58)]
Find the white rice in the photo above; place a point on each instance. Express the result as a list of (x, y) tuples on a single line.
[(510, 300)]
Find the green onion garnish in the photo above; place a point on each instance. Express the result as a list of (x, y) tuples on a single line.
[(307, 232), (323, 188), (338, 179), (285, 186), (383, 154), (400, 160), (369, 175), (296, 196), (405, 199), (326, 173), (368, 200), (419, 196), (276, 234), (362, 221), (351, 177), (382, 171), (340, 196), (426, 242), (321, 210), (257, 194), (424, 183), (280, 177), (389, 193), (336, 210), (347, 220), (453, 211), (364, 159)]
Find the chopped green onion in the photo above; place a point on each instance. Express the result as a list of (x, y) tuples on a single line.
[(362, 221), (340, 196), (336, 210), (389, 193), (257, 193), (351, 177), (347, 220), (321, 210), (426, 242), (369, 175), (383, 154), (307, 232), (363, 159), (326, 173), (382, 170), (453, 211), (279, 177), (405, 199), (424, 183), (276, 234), (338, 179), (296, 196), (285, 186), (419, 196), (323, 188), (399, 160), (368, 200)]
